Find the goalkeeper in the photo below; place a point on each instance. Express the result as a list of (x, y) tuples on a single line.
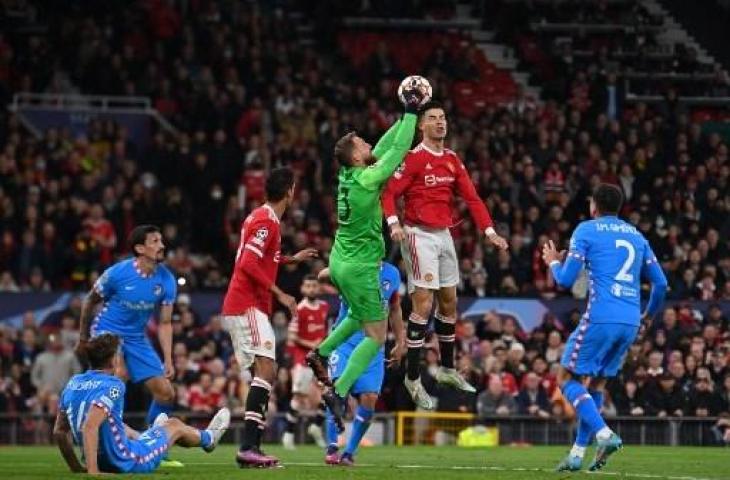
[(359, 248)]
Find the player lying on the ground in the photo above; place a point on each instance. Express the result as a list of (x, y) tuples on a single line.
[(429, 178), (615, 255), (367, 386), (359, 248), (90, 415)]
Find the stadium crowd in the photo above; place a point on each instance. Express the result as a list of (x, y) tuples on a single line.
[(249, 89)]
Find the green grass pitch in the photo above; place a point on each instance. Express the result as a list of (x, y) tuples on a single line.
[(405, 463)]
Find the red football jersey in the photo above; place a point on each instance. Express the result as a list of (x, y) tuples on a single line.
[(310, 324), (257, 263), (428, 181)]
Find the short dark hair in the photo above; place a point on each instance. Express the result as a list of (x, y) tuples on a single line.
[(101, 350), (344, 147), (279, 183), (429, 106), (138, 235), (608, 199), (310, 277)]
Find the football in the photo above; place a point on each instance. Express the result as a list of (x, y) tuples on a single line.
[(415, 82)]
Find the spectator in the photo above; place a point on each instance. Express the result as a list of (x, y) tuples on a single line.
[(494, 400), (656, 360), (630, 400), (69, 334), (207, 394), (532, 399), (676, 369), (725, 395), (51, 371), (26, 351), (665, 398), (703, 401), (515, 361), (555, 347), (101, 231)]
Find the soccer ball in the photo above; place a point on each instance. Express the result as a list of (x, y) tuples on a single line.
[(413, 82)]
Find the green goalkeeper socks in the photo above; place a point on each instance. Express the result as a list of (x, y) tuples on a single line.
[(337, 337), (359, 361)]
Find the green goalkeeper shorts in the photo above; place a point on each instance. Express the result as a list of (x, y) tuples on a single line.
[(359, 285)]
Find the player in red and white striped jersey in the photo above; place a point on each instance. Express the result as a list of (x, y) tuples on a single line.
[(428, 179), (306, 331), (248, 303)]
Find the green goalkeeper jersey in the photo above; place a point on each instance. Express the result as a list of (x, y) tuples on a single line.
[(359, 236)]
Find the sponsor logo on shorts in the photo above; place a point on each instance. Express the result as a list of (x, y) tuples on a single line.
[(429, 277)]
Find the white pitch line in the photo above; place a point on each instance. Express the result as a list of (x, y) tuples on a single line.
[(484, 468)]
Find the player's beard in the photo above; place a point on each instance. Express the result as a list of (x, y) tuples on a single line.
[(311, 299), (370, 160)]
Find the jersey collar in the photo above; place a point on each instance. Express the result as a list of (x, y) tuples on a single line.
[(140, 272), (431, 151)]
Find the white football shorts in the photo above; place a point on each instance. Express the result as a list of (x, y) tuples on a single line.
[(430, 257), (252, 336)]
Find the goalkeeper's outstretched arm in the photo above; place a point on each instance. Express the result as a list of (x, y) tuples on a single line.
[(386, 141), (377, 174)]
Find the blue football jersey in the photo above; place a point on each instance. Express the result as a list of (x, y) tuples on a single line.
[(615, 254), (130, 298), (107, 392), (389, 285)]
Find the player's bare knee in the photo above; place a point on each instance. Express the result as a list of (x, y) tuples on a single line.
[(174, 427), (165, 393), (174, 422), (368, 400), (265, 369), (422, 299), (447, 301)]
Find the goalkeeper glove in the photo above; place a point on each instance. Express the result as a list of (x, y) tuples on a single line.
[(413, 98)]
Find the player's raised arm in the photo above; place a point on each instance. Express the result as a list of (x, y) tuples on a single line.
[(386, 141), (62, 436), (94, 419), (565, 272), (377, 174)]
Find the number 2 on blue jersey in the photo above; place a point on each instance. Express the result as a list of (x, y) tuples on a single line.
[(623, 274)]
